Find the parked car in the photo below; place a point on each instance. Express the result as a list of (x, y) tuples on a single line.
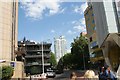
[(58, 71), (36, 77), (50, 73)]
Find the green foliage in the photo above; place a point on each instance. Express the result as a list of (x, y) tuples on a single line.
[(34, 70), (79, 51), (53, 59), (67, 60), (60, 65), (7, 72), (74, 60)]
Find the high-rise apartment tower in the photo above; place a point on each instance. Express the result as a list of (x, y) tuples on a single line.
[(59, 47)]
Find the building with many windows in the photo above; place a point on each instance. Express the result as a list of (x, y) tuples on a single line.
[(33, 56), (59, 47), (108, 31), (96, 54), (118, 9), (8, 29)]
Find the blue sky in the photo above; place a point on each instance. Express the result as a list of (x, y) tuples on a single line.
[(45, 20)]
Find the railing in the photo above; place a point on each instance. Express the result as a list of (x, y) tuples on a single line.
[(37, 56), (36, 63), (28, 50)]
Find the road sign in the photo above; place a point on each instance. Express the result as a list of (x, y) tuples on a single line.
[(12, 64)]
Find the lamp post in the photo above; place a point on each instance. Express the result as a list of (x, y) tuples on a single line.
[(84, 61), (43, 74), (42, 59)]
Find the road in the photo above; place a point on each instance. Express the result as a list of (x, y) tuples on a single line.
[(66, 75)]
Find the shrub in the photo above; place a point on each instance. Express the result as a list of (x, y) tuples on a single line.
[(6, 72)]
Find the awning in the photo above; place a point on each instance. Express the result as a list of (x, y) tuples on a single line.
[(95, 59)]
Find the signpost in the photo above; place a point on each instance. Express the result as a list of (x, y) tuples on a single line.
[(12, 64)]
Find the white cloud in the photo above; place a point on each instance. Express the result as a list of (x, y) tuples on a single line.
[(80, 9), (70, 32), (69, 51), (73, 22), (79, 25), (79, 28), (36, 9), (52, 31), (62, 10), (82, 21)]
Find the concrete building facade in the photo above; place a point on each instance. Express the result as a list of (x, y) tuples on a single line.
[(108, 29), (96, 54), (60, 47), (118, 9), (9, 35), (33, 56), (8, 30)]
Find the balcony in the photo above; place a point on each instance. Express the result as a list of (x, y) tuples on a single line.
[(37, 64), (95, 59), (37, 50), (37, 56)]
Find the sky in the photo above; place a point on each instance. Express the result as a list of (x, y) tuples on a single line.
[(43, 21)]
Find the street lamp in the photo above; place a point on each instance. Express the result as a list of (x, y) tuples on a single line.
[(42, 59), (43, 74), (84, 61)]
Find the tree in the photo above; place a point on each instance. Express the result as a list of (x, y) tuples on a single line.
[(67, 60), (80, 52), (60, 65), (53, 59), (78, 57), (7, 72), (34, 70)]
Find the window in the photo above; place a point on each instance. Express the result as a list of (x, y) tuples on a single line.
[(90, 39), (94, 28), (88, 25), (92, 14), (93, 21), (88, 19), (118, 13)]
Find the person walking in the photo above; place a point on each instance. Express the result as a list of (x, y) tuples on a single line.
[(90, 75), (73, 76), (109, 74), (102, 74)]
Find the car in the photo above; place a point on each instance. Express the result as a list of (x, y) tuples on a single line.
[(43, 76), (36, 77), (50, 73), (58, 71)]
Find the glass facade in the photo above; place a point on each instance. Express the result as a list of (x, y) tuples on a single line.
[(118, 7)]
